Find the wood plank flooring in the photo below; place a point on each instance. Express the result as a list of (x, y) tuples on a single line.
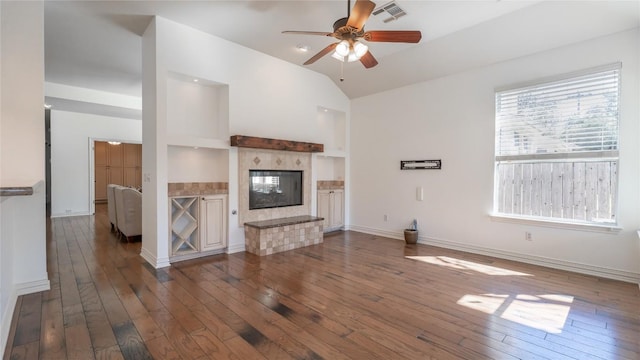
[(356, 296)]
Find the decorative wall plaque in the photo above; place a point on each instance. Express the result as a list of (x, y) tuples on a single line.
[(420, 164)]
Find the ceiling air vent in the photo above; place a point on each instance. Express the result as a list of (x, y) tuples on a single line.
[(392, 10)]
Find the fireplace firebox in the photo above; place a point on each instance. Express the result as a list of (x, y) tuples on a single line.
[(274, 188)]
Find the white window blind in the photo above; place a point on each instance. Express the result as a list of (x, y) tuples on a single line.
[(575, 115), (557, 148)]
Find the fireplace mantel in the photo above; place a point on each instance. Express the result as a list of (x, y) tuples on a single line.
[(274, 144)]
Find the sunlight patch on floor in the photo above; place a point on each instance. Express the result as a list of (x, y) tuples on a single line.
[(547, 312), (466, 265), (487, 303)]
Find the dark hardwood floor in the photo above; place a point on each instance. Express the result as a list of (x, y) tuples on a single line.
[(356, 296)]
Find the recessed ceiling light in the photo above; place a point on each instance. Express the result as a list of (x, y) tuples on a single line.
[(195, 80), (303, 48), (326, 110)]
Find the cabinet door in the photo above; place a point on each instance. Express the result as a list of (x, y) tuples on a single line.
[(115, 155), (337, 207), (100, 183), (324, 208), (100, 161), (100, 152), (132, 160), (130, 177), (130, 155), (116, 175), (213, 222)]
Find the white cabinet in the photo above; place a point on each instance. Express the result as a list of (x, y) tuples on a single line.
[(213, 222), (331, 208), (198, 225)]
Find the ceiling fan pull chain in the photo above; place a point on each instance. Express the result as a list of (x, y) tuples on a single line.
[(341, 70)]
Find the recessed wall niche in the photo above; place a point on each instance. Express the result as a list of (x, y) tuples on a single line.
[(196, 108), (332, 125), (330, 168), (189, 164)]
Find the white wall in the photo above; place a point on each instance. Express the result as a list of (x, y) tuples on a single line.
[(268, 97), (71, 155), (452, 118), (187, 164), (22, 218)]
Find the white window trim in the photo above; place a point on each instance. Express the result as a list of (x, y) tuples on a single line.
[(559, 78), (611, 228), (556, 223)]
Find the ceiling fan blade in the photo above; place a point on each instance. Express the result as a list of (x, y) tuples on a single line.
[(368, 60), (360, 13), (322, 53), (323, 33), (404, 36)]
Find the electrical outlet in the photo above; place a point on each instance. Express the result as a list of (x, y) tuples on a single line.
[(386, 218), (528, 236)]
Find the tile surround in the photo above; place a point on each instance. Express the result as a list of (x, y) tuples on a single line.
[(198, 188), (267, 241), (330, 184), (261, 159)]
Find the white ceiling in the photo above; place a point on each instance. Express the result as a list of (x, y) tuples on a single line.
[(97, 44)]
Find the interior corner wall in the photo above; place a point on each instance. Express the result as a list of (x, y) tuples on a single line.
[(22, 148), (71, 155), (268, 97), (453, 119)]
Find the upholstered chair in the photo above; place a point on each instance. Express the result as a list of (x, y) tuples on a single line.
[(111, 206), (129, 211)]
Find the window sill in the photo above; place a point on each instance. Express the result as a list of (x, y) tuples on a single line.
[(604, 228)]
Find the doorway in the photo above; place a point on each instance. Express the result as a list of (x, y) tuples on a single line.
[(115, 163)]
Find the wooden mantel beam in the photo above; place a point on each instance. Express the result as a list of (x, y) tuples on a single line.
[(274, 144)]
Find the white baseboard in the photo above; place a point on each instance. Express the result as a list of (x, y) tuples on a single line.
[(377, 232), (32, 287), (155, 262), (7, 313), (615, 274), (236, 248), (7, 316), (84, 213), (196, 255)]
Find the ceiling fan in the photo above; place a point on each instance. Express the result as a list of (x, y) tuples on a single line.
[(350, 30)]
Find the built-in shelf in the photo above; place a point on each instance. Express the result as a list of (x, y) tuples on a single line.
[(334, 153), (184, 223)]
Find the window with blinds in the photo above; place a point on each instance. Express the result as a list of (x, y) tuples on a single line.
[(557, 148)]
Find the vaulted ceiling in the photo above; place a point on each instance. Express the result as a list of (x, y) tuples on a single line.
[(97, 44)]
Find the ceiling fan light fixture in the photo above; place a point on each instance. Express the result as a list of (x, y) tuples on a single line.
[(342, 49), (360, 49), (352, 57), (337, 57)]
